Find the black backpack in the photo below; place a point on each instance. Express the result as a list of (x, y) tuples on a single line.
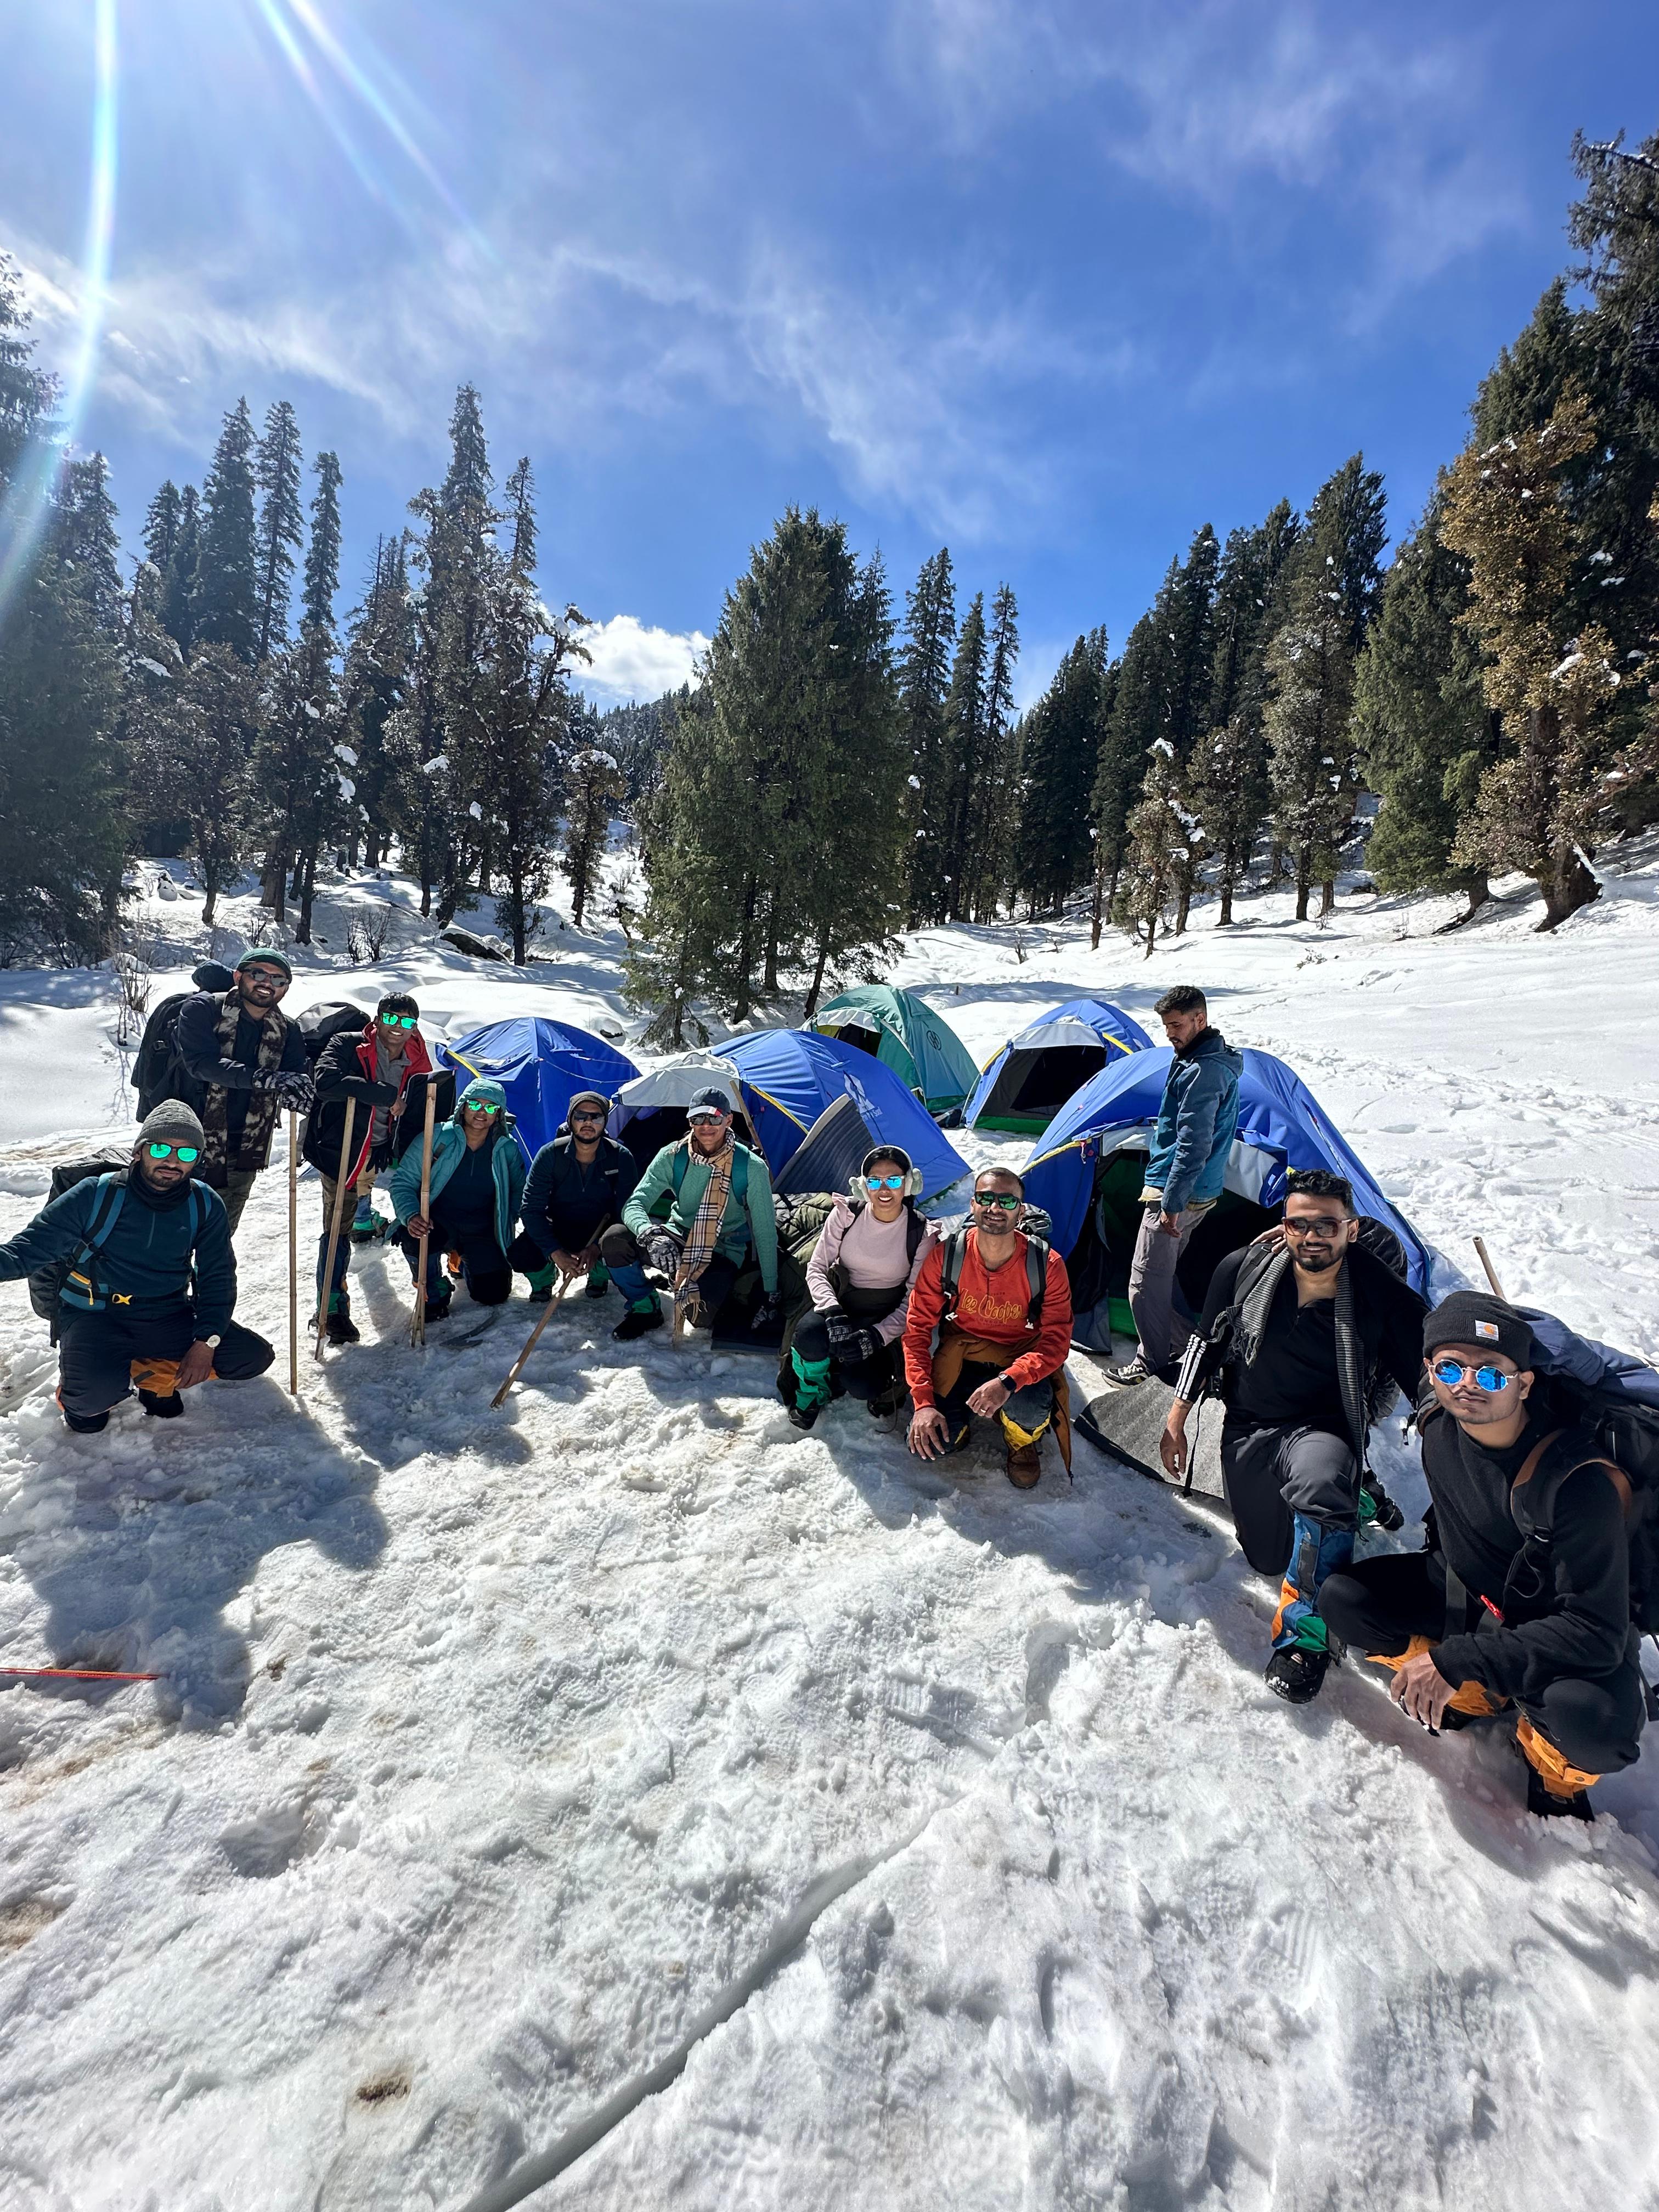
[(1035, 1225), (156, 1060)]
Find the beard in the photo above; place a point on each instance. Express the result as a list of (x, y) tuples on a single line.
[(1318, 1259)]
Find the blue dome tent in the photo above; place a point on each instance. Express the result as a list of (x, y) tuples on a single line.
[(541, 1065), (789, 1078), (1036, 1072), (1087, 1172)]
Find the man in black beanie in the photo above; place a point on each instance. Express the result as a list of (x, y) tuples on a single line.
[(1521, 1594)]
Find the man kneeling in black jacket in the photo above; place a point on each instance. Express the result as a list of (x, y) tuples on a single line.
[(151, 1281), (1522, 1594)]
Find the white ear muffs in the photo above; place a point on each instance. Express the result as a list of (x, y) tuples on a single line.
[(912, 1183)]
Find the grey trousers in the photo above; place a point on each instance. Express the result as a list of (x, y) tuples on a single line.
[(1152, 1283), (239, 1185), (1270, 1475)]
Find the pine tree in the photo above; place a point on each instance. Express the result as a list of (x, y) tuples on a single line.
[(593, 787), (930, 632), (299, 774), (161, 527), (227, 597), (965, 722), (1310, 669), (676, 960), (380, 652), (1421, 725), (1164, 848), (86, 542), (280, 527), (203, 752), (181, 581), (989, 778), (1058, 755), (1228, 773), (322, 576), (1507, 513)]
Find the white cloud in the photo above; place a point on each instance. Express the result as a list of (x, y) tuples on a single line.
[(632, 659)]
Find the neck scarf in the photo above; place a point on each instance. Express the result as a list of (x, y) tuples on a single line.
[(253, 1150), (704, 1232)]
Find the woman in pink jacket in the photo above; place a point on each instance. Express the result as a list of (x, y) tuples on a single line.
[(859, 1279)]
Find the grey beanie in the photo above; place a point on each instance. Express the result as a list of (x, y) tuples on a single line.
[(172, 1122)]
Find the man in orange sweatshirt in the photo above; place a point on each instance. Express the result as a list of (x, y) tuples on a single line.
[(1002, 1306)]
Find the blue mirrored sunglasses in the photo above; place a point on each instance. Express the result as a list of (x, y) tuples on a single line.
[(883, 1183), (1451, 1372)]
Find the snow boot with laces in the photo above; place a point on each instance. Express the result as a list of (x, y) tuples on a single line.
[(599, 1281), (1298, 1674), (339, 1327)]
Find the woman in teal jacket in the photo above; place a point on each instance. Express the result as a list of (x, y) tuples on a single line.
[(475, 1188)]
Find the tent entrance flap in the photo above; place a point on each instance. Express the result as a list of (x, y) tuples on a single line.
[(1100, 1261), (1033, 1086)]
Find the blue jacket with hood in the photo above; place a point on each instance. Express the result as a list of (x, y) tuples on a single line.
[(1197, 1117)]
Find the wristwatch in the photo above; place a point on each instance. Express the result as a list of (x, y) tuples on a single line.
[(212, 1342)]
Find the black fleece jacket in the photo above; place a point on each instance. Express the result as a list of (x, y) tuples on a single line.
[(1581, 1624)]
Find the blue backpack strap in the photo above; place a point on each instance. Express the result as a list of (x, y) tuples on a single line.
[(105, 1212)]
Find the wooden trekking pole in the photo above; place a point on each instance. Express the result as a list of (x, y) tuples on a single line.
[(334, 1225), (519, 1363), (293, 1254), (417, 1325), (1492, 1272)]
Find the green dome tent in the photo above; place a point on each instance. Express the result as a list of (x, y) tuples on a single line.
[(905, 1034)]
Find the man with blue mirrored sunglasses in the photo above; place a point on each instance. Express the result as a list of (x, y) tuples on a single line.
[(1521, 1594)]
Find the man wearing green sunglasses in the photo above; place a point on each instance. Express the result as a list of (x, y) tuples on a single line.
[(1522, 1595), (138, 1264)]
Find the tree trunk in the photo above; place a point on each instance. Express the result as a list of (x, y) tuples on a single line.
[(1184, 908), (1152, 935), (745, 952), (770, 984), (273, 884), (516, 907), (308, 892), (1302, 887), (1097, 914), (1225, 919), (1567, 884), (817, 984), (1326, 896), (211, 886)]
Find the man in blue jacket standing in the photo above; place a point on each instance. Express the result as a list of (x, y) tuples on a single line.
[(1185, 1167), (147, 1279)]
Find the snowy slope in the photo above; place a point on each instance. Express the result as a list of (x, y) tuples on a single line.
[(494, 1747)]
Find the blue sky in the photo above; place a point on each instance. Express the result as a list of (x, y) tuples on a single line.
[(1054, 282)]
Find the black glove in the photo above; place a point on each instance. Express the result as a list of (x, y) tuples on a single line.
[(862, 1345), (770, 1311), (294, 1088), (839, 1328), (662, 1253)]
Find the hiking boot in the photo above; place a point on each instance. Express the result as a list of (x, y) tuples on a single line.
[(886, 1403), (802, 1417), (1024, 1466), (339, 1327), (437, 1309), (81, 1424), (366, 1226), (541, 1294), (1543, 1801), (1295, 1675), (1132, 1371), (162, 1409), (1375, 1504), (639, 1321), (597, 1283)]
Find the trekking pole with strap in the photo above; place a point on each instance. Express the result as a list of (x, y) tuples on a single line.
[(334, 1225), (1492, 1272), (417, 1325), (293, 1254), (521, 1363)]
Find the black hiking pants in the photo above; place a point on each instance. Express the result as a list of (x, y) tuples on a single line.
[(1377, 1606), (95, 1352), (1272, 1474), (484, 1268)]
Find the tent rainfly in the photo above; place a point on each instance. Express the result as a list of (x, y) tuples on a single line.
[(904, 1033), (541, 1065), (1028, 1082), (790, 1076)]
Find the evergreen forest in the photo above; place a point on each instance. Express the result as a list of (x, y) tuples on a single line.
[(845, 768)]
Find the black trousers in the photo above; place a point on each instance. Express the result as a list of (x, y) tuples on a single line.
[(1273, 1474), (862, 1378), (95, 1351), (1378, 1605), (484, 1268)]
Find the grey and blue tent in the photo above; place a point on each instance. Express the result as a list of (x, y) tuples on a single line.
[(1028, 1082)]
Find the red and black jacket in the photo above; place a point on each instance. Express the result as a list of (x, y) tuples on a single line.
[(345, 1069)]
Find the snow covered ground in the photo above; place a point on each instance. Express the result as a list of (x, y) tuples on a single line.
[(494, 1747)]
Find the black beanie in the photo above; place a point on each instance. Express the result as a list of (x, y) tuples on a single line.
[(1476, 1317)]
